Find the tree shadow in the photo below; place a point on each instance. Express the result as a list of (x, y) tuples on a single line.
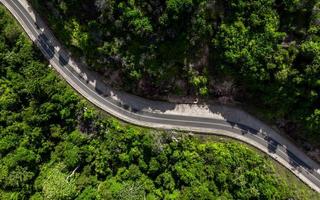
[(45, 46), (272, 145)]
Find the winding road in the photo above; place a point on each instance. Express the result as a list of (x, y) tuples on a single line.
[(153, 114)]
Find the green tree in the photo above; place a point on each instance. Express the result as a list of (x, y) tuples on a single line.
[(58, 185)]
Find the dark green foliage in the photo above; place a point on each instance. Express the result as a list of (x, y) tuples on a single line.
[(53, 147), (279, 68), (148, 41), (270, 48)]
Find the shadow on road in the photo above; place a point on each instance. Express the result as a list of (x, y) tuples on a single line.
[(272, 144), (45, 44)]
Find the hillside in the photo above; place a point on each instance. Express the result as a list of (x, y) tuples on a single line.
[(262, 53)]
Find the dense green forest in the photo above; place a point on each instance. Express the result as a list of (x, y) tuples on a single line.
[(53, 145), (261, 52)]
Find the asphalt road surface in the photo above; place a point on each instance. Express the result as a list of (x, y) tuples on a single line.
[(286, 154)]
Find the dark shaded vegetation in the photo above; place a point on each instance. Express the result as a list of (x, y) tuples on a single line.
[(54, 146), (267, 49)]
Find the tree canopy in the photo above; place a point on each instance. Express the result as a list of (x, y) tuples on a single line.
[(269, 49), (53, 145)]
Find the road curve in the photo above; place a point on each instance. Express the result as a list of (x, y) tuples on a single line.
[(90, 86)]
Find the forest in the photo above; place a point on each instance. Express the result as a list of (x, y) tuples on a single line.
[(262, 53), (56, 146)]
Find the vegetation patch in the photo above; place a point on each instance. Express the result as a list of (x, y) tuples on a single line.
[(54, 146), (261, 52)]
